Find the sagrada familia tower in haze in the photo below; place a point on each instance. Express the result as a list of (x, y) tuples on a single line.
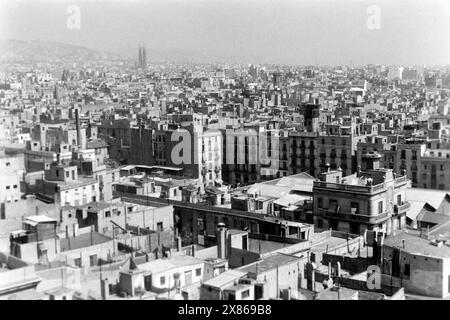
[(142, 59)]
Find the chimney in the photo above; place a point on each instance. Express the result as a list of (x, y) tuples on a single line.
[(403, 243), (179, 243), (193, 250), (104, 283), (77, 123), (221, 236), (75, 229)]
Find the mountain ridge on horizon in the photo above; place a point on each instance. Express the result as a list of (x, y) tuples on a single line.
[(15, 50)]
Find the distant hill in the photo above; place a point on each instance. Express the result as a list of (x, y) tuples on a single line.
[(12, 51), (44, 51)]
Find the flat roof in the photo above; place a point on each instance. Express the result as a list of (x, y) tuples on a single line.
[(225, 278), (269, 263), (40, 219), (80, 182), (161, 265), (417, 245), (334, 293)]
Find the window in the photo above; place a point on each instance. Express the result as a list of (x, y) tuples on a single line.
[(380, 207), (198, 272), (77, 262), (162, 280), (354, 207), (399, 199), (67, 174), (93, 260), (406, 272), (333, 206), (8, 187), (245, 294)]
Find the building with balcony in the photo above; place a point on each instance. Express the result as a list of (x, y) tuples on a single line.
[(62, 185), (370, 199)]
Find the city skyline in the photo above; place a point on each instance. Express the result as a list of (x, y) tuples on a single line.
[(245, 150), (276, 32)]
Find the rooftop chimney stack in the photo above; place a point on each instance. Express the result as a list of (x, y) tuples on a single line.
[(77, 123), (221, 241)]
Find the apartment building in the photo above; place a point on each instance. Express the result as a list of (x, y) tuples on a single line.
[(370, 199), (11, 171)]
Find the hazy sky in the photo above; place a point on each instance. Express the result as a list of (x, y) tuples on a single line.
[(279, 31)]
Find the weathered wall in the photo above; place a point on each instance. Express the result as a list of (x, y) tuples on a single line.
[(428, 275), (239, 257)]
